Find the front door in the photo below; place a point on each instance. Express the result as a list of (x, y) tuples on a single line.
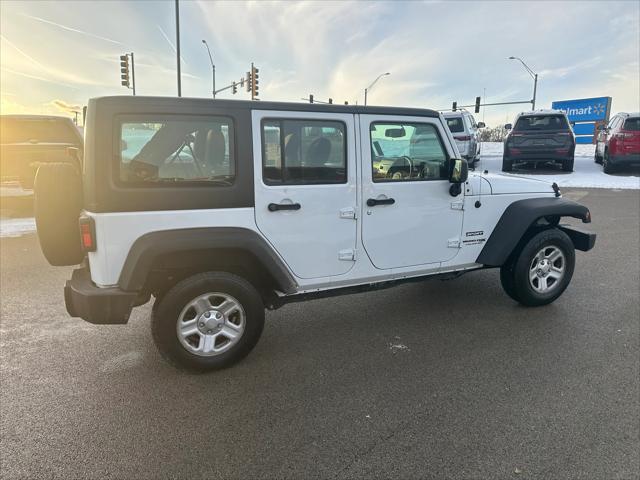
[(409, 218), (305, 189)]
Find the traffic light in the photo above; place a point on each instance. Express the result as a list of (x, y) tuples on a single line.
[(234, 88), (311, 98), (477, 110), (248, 80), (455, 106), (124, 71), (254, 82)]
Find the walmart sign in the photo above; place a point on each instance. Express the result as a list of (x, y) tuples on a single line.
[(584, 114)]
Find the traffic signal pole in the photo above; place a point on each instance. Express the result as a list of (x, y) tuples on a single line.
[(133, 74)]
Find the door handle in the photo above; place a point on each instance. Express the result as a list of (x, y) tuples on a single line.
[(372, 202), (274, 207)]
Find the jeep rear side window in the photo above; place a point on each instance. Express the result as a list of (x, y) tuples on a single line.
[(169, 151), (407, 152), (303, 152)]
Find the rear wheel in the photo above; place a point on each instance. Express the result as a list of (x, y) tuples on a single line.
[(606, 163), (507, 164), (542, 270), (567, 165), (208, 321)]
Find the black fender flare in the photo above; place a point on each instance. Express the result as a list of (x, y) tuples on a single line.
[(516, 220), (148, 247)]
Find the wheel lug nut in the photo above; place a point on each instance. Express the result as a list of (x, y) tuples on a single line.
[(207, 314)]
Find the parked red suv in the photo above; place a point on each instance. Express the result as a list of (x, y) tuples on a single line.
[(619, 142)]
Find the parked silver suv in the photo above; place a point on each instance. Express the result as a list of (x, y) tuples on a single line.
[(466, 133)]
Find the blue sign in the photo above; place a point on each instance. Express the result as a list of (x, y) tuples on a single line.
[(585, 109), (584, 128)]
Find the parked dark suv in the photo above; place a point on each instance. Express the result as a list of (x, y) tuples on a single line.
[(619, 142), (539, 136)]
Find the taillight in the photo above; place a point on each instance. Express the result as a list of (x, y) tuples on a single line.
[(464, 138), (88, 234)]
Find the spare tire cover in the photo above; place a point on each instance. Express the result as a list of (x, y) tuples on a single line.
[(58, 201)]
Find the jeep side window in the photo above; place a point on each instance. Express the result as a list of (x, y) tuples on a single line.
[(300, 152), (409, 152), (157, 151)]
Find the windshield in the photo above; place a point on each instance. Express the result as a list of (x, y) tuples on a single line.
[(541, 122), (455, 124), (41, 130), (632, 124)]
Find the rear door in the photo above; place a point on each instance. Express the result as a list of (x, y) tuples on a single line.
[(305, 189)]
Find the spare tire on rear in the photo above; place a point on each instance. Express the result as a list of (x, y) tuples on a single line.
[(58, 201)]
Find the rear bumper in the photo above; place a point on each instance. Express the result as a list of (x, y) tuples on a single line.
[(538, 156), (94, 304), (628, 159)]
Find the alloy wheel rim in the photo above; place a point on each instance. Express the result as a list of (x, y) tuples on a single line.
[(211, 324), (547, 269)]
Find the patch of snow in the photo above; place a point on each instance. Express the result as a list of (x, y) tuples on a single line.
[(397, 347), (16, 227), (586, 173)]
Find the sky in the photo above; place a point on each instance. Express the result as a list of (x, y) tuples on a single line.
[(56, 55)]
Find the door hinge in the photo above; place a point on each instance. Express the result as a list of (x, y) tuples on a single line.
[(348, 255), (348, 213), (457, 205), (453, 243)]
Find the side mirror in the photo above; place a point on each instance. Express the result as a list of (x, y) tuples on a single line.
[(481, 125), (458, 170), (508, 126)]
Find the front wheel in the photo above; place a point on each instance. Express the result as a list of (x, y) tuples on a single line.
[(542, 270), (208, 321)]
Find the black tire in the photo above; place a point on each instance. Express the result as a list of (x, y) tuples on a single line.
[(507, 164), (507, 281), (597, 158), (567, 165), (57, 205), (606, 163), (523, 289), (165, 316)]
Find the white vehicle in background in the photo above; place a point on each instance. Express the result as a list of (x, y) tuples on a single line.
[(466, 133)]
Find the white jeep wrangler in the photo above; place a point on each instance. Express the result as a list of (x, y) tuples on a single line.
[(220, 209)]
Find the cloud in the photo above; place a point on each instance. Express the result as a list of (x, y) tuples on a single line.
[(75, 30), (173, 47), (65, 106)]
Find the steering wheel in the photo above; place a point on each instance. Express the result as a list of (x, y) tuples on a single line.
[(391, 173)]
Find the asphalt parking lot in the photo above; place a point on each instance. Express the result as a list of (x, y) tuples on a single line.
[(440, 379)]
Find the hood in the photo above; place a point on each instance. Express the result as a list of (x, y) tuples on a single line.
[(501, 184)]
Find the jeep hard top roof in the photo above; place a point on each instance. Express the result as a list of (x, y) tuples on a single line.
[(260, 105)]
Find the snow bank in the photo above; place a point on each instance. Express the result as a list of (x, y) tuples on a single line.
[(16, 227), (586, 173)]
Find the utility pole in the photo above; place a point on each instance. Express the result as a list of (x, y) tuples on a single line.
[(178, 46), (213, 70)]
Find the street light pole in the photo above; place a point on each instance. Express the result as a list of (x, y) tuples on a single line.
[(178, 47), (535, 80), (366, 90), (213, 69)]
